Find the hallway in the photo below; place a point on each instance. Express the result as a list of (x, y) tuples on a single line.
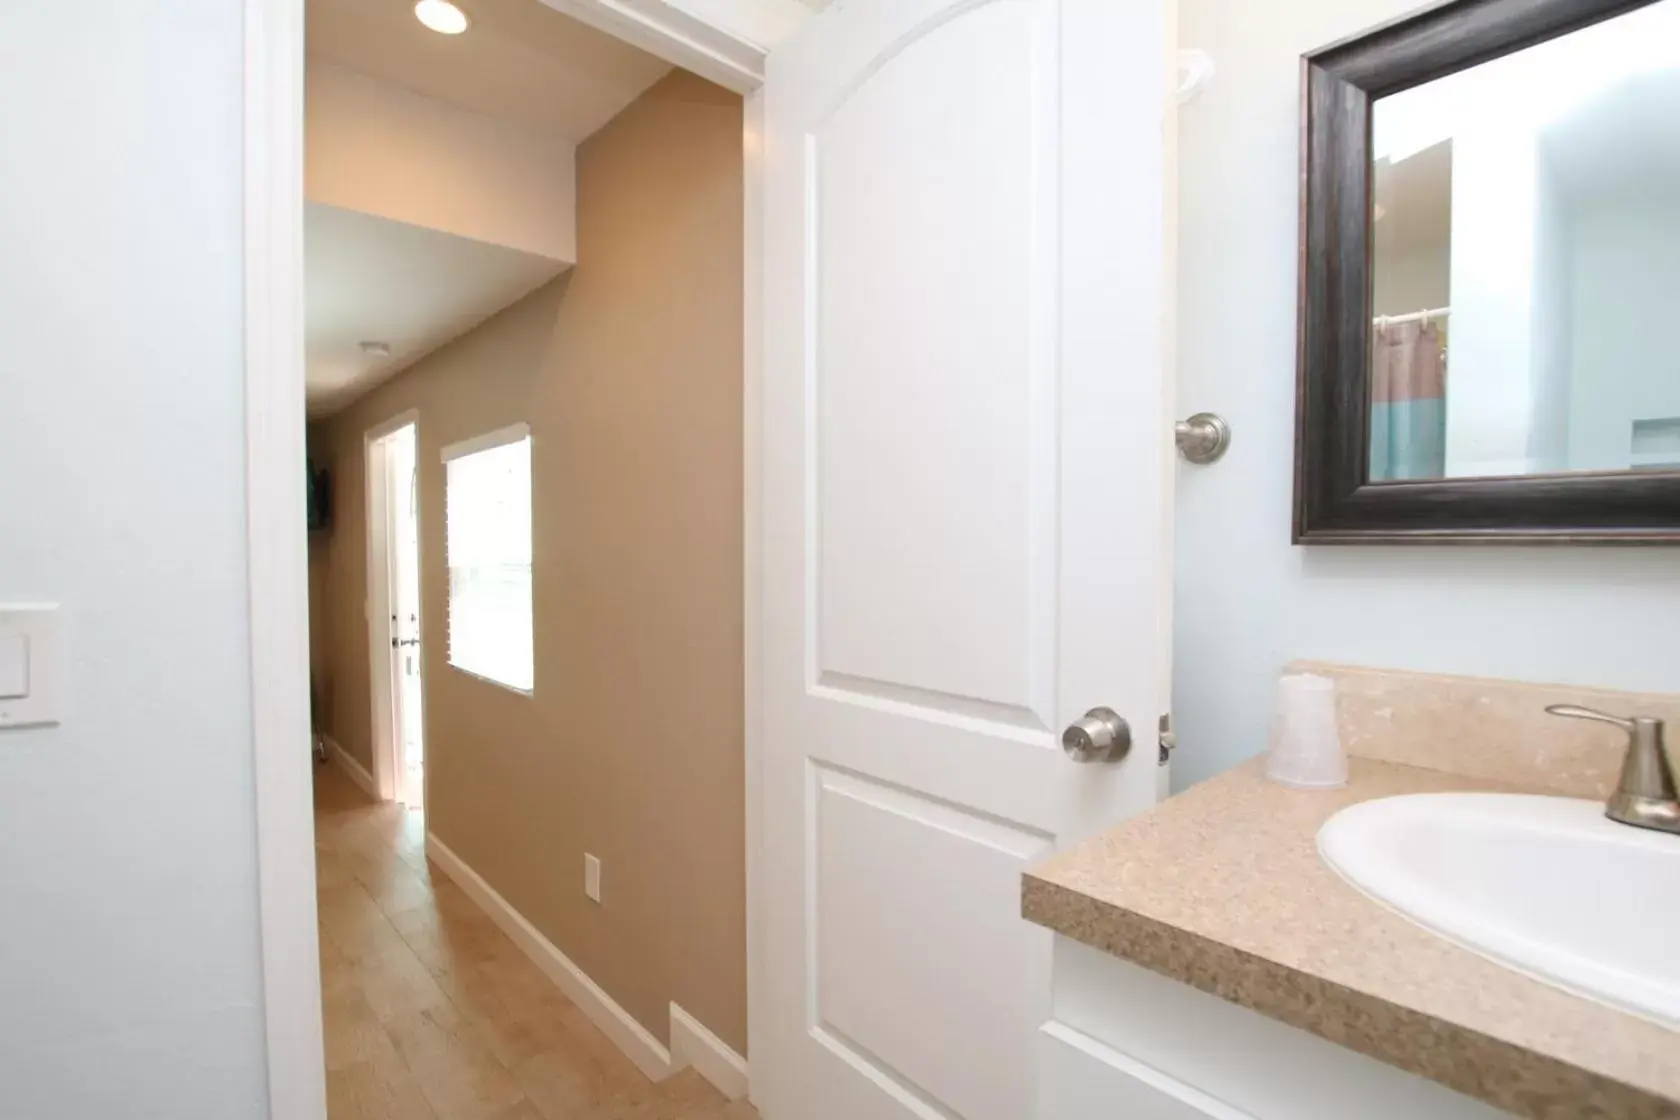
[(433, 1014)]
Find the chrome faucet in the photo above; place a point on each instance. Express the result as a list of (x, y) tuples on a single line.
[(1646, 796)]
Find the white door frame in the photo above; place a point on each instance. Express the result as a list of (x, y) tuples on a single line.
[(724, 40), (277, 554), (386, 744)]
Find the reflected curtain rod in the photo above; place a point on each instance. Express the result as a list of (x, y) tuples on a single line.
[(1433, 313)]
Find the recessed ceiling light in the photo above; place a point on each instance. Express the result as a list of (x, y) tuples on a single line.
[(441, 16), (375, 349)]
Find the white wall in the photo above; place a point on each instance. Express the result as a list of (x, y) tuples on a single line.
[(1552, 327), (129, 982), (1246, 599), (1490, 387), (1627, 288), (381, 149)]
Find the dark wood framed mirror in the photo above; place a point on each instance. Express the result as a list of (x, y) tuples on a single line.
[(1490, 277)]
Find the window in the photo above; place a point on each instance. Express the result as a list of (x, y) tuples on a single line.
[(487, 494)]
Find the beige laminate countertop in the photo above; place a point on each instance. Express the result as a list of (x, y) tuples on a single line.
[(1222, 888)]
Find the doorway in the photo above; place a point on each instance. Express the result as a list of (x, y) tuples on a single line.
[(394, 631)]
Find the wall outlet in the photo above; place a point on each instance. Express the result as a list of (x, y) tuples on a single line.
[(592, 877)]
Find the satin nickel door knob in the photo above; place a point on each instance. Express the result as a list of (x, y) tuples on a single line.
[(1100, 735), (1203, 438)]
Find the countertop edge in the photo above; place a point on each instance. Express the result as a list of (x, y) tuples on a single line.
[(1503, 1074)]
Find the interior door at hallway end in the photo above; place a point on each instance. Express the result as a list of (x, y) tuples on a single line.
[(966, 472), (393, 580), (403, 552)]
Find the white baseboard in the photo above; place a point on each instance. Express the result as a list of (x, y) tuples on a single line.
[(347, 762), (691, 1043)]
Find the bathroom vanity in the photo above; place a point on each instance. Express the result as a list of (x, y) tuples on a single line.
[(1490, 216), (1210, 963)]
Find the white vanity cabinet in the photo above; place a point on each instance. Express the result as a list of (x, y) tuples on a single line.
[(1125, 1043)]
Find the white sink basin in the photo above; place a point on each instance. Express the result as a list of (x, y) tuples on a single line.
[(1543, 885)]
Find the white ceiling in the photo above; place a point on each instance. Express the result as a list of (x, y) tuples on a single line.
[(373, 279), (1624, 143), (520, 60)]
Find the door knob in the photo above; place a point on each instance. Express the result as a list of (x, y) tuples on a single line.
[(1100, 735), (1203, 438)]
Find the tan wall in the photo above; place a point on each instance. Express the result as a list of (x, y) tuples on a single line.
[(320, 626), (631, 747)]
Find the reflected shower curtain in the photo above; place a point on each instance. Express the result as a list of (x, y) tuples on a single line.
[(1408, 401)]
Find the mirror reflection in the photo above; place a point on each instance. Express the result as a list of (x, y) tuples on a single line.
[(1526, 260)]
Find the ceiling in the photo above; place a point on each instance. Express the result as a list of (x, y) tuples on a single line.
[(373, 279), (521, 60), (1612, 139), (1622, 144)]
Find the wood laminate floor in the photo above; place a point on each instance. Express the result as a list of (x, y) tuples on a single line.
[(431, 1013)]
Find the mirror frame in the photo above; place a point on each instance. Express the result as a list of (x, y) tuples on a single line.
[(1335, 502)]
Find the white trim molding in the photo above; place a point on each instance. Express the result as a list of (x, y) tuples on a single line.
[(645, 1051), (346, 762), (501, 437), (693, 1046), (691, 1043), (392, 426), (724, 41), (277, 559), (752, 536)]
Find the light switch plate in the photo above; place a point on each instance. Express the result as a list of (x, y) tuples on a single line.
[(14, 665), (591, 877), (31, 663)]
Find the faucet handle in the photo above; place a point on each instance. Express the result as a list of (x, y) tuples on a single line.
[(1646, 796), (1576, 711)]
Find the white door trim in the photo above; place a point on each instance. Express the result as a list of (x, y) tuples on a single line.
[(752, 550), (501, 437), (277, 559), (724, 41), (394, 425), (693, 33)]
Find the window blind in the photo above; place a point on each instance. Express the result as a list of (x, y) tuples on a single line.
[(487, 495)]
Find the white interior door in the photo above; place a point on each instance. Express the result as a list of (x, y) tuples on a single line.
[(404, 553), (966, 480), (393, 575), (380, 617)]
